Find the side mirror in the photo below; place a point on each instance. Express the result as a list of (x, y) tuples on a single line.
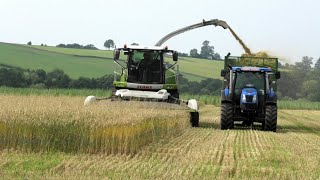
[(175, 56), (116, 54), (277, 75), (223, 73)]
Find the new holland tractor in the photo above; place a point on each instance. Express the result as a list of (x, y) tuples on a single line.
[(249, 93)]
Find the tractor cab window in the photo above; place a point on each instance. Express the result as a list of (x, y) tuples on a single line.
[(145, 67), (249, 79)]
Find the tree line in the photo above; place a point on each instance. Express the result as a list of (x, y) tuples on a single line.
[(206, 52), (18, 77), (298, 81), (77, 46)]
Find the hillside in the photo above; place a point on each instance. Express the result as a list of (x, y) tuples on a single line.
[(90, 63)]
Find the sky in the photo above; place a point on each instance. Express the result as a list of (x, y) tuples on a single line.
[(288, 29)]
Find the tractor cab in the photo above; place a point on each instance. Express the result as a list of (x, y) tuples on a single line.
[(250, 84)]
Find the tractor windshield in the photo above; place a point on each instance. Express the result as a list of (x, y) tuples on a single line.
[(248, 79), (145, 67)]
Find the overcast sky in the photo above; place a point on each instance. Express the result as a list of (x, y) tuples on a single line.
[(288, 29)]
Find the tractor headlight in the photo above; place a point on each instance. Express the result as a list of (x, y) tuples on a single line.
[(254, 99), (244, 98)]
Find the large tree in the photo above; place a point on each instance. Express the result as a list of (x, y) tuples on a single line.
[(207, 51), (305, 65), (108, 44), (194, 53), (317, 64)]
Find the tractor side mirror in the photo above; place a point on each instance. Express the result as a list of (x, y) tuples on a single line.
[(277, 75), (116, 55), (223, 73), (175, 56)]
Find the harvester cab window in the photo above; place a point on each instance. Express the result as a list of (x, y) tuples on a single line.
[(145, 67)]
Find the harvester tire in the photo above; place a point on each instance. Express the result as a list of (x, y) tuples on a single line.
[(226, 116), (194, 119), (174, 97), (270, 123)]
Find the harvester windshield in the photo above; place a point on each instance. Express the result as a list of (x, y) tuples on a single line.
[(145, 67)]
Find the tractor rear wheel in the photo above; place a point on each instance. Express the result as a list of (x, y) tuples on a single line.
[(270, 123), (226, 121), (194, 119)]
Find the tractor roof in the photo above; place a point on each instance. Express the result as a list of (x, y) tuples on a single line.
[(251, 69)]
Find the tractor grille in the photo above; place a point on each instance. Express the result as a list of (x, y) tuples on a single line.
[(249, 98), (250, 106)]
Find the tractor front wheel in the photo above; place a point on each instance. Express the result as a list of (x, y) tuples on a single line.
[(226, 121), (270, 123)]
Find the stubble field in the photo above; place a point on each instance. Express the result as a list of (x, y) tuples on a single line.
[(177, 151)]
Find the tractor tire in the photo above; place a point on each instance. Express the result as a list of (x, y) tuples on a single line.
[(270, 123), (226, 121), (194, 119)]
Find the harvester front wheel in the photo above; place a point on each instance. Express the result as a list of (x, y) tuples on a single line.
[(194, 119), (226, 116), (270, 123), (174, 97)]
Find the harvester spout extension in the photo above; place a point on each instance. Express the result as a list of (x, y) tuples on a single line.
[(221, 23), (215, 22)]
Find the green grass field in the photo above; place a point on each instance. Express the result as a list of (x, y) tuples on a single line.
[(74, 66), (90, 63)]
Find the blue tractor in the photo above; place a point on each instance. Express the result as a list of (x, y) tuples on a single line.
[(249, 92)]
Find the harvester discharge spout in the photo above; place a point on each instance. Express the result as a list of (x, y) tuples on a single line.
[(215, 22)]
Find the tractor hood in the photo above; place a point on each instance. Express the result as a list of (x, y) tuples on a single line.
[(249, 91), (249, 99)]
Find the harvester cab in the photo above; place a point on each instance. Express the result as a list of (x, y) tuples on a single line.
[(146, 73), (249, 93)]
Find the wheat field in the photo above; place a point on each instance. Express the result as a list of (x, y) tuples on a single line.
[(195, 153), (48, 123)]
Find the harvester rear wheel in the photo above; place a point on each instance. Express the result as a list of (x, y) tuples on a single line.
[(226, 116), (194, 119), (270, 123)]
